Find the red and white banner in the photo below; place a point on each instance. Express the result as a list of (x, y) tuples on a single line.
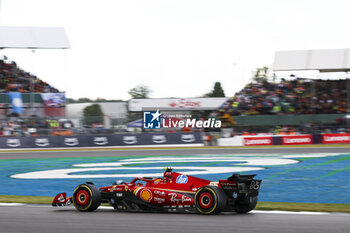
[(336, 138), (55, 112), (297, 140), (257, 141), (136, 105), (54, 99)]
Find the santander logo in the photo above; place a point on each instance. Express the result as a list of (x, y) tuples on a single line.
[(183, 103), (297, 140), (258, 141)]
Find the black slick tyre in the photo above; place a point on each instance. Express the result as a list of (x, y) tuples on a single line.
[(86, 197), (210, 200), (246, 207)]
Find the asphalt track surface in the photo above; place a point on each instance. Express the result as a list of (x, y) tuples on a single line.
[(35, 219)]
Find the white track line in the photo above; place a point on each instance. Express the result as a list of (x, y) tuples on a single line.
[(288, 212), (11, 204)]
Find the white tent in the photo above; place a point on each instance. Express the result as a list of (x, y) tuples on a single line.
[(33, 38), (327, 60)]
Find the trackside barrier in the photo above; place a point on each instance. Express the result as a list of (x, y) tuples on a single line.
[(146, 139), (336, 138), (297, 140), (306, 139), (234, 141), (258, 141), (164, 139)]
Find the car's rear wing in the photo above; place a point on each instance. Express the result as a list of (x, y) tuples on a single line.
[(241, 178), (241, 184)]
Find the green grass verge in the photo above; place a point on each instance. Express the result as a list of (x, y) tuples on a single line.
[(288, 206), (25, 199), (293, 206)]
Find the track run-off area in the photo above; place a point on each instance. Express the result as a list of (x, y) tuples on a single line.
[(41, 218), (313, 175)]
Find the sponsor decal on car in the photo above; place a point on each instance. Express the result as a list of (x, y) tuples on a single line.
[(115, 188), (159, 200), (228, 184), (61, 198), (214, 183), (146, 195), (157, 181), (255, 185), (178, 198), (182, 179), (160, 193)]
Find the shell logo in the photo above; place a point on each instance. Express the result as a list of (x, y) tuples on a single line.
[(146, 195)]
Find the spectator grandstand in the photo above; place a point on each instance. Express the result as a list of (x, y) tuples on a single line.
[(297, 96), (288, 107), (36, 97), (14, 78)]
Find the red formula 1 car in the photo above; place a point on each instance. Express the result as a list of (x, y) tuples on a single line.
[(174, 192)]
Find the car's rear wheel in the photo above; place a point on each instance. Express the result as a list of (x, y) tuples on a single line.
[(249, 205), (86, 197), (210, 200)]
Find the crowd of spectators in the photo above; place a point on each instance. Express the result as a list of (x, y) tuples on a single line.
[(14, 78), (16, 128), (297, 96), (30, 127)]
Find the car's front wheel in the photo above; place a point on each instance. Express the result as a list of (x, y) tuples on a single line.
[(86, 197)]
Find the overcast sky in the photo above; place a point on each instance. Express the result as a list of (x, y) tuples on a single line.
[(177, 48)]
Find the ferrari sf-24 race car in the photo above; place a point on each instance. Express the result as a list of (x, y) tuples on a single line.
[(174, 192)]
